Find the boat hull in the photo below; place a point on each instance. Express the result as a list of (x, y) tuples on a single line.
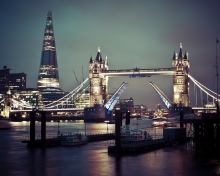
[(136, 135), (73, 140), (64, 143)]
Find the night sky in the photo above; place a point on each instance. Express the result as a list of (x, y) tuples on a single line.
[(132, 33)]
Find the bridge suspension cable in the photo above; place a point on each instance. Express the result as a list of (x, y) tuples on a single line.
[(204, 88), (66, 97), (56, 103), (22, 104), (1, 101)]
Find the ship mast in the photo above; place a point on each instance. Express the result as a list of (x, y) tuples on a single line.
[(216, 57)]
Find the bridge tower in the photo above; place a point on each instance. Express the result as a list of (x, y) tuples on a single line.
[(181, 66), (98, 83)]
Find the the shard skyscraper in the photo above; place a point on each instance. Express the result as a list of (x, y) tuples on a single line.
[(48, 72), (48, 78)]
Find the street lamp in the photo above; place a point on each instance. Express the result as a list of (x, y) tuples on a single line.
[(85, 127), (58, 132), (107, 121)]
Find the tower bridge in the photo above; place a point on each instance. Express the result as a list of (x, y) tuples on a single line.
[(99, 74)]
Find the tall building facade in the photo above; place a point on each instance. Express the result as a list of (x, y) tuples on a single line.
[(48, 78), (125, 105), (48, 72), (98, 83), (181, 66), (11, 80)]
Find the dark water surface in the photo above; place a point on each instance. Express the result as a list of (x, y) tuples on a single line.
[(93, 158)]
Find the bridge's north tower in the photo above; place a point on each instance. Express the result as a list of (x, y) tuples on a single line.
[(181, 66), (98, 82)]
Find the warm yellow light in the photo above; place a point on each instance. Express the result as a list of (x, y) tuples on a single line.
[(176, 97)]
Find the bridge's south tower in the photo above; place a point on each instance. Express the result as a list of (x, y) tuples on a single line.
[(181, 66), (98, 83)]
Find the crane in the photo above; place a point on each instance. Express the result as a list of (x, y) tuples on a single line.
[(82, 73), (76, 77)]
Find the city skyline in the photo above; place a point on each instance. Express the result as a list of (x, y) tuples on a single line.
[(131, 33)]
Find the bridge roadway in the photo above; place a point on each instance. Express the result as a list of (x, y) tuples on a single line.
[(203, 108), (136, 72), (82, 109)]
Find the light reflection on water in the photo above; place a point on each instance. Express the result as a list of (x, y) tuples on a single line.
[(93, 158)]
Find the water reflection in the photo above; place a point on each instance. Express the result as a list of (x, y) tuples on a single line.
[(93, 158)]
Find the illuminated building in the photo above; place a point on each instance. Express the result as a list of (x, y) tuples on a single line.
[(125, 105), (98, 83), (98, 89), (181, 101), (11, 80), (51, 94), (48, 72), (140, 109), (180, 65), (13, 85), (83, 100), (30, 96), (48, 78)]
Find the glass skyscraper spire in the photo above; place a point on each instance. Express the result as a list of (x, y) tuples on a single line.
[(48, 72)]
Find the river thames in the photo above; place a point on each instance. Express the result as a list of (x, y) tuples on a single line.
[(93, 158)]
